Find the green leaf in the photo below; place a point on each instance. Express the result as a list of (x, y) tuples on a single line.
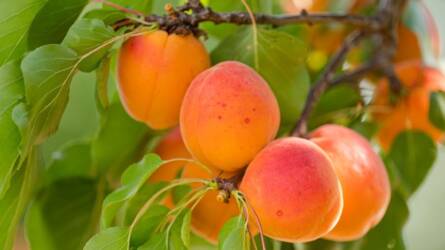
[(388, 234), (49, 221), (73, 160), (412, 154), (13, 203), (233, 235), (143, 195), (47, 71), (179, 192), (102, 79), (140, 5), (281, 63), (148, 223), (157, 241), (132, 180), (179, 234), (53, 21), (15, 19), (437, 109), (11, 91), (115, 238), (85, 35), (335, 104), (108, 16), (126, 136)]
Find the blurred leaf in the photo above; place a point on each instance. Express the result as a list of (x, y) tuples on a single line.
[(47, 71), (140, 5), (412, 154), (108, 16), (87, 34), (365, 128), (437, 109), (335, 103), (233, 235), (158, 6), (53, 21), (11, 91), (126, 136), (157, 241), (179, 192), (283, 69), (132, 180), (64, 215), (15, 19), (15, 200), (73, 160), (148, 223), (114, 238), (143, 195), (388, 233), (102, 78), (179, 235)]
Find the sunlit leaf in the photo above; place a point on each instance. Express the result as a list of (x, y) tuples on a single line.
[(114, 238)]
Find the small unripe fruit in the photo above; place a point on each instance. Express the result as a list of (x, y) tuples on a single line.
[(154, 72), (229, 113), (363, 177), (292, 186)]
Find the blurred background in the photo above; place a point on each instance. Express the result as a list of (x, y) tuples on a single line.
[(426, 227)]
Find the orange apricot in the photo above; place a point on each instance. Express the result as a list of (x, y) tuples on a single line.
[(295, 6), (292, 187), (363, 177), (229, 113), (411, 110), (210, 215), (154, 72)]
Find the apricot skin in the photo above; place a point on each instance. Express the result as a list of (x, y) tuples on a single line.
[(210, 215), (364, 180), (411, 110), (292, 186), (154, 71), (228, 114)]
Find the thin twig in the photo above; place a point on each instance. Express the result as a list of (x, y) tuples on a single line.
[(324, 80)]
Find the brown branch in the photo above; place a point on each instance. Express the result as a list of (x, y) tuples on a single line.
[(324, 80)]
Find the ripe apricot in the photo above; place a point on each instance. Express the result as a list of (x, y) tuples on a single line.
[(363, 177), (411, 110), (210, 215), (228, 114), (154, 72), (292, 186)]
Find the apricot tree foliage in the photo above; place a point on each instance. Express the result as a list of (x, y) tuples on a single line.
[(320, 64)]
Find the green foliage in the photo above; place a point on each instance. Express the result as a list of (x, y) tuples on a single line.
[(233, 235), (132, 180), (64, 214), (113, 238), (52, 22), (15, 19)]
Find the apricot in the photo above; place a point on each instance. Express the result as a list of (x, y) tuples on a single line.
[(210, 215), (363, 177), (154, 72), (292, 186), (411, 110), (229, 113)]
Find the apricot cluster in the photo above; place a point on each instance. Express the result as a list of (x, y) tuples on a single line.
[(331, 184)]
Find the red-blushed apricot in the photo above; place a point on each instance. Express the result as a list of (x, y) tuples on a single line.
[(229, 113), (170, 147), (210, 215), (411, 110), (363, 177), (292, 186), (154, 72)]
